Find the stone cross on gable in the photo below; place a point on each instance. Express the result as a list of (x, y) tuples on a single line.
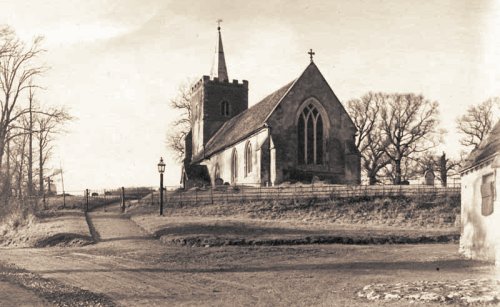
[(311, 53)]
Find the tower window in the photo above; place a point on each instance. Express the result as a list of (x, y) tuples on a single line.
[(224, 108), (310, 136)]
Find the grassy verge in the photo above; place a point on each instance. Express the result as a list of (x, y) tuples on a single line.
[(21, 227), (397, 220), (388, 211)]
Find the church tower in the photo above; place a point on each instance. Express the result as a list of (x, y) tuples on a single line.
[(214, 101)]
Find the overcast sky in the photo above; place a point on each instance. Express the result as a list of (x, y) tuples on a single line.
[(115, 64)]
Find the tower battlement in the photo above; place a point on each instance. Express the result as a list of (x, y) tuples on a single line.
[(207, 80)]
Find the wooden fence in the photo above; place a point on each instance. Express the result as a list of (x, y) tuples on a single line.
[(298, 192)]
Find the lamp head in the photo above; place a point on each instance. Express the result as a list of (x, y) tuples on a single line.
[(161, 166)]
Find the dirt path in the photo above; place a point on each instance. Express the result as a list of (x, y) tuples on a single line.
[(112, 226), (136, 270)]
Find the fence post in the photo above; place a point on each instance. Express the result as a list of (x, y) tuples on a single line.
[(166, 196), (152, 197), (196, 196), (212, 195), (87, 200), (123, 199)]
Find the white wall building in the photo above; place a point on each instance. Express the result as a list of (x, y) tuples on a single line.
[(480, 211)]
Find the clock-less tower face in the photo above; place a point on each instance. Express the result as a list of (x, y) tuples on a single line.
[(213, 103)]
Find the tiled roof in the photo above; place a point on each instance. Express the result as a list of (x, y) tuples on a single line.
[(488, 148), (245, 123)]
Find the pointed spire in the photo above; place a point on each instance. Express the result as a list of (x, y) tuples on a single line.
[(221, 61)]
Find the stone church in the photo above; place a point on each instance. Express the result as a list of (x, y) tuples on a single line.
[(300, 132)]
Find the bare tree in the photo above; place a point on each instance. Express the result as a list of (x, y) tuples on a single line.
[(477, 122), (409, 126), (48, 123), (182, 126), (365, 113), (17, 69), (18, 154)]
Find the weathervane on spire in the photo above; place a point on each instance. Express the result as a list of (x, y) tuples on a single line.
[(311, 54), (218, 24)]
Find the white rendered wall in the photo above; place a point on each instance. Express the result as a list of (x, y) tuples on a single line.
[(480, 235)]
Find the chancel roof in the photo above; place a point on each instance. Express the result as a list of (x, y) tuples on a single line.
[(245, 123), (488, 148)]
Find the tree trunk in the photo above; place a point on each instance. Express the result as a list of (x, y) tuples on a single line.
[(40, 171), (21, 169), (7, 182), (30, 152), (372, 179), (397, 177)]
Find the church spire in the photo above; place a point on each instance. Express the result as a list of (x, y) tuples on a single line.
[(221, 61)]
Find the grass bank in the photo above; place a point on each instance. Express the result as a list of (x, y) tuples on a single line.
[(25, 226), (396, 220)]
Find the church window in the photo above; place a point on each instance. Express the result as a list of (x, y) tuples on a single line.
[(310, 136), (217, 171), (248, 158), (224, 108), (234, 166)]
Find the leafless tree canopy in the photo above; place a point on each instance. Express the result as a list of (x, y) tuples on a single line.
[(181, 127), (409, 127), (393, 130), (23, 119), (365, 113), (48, 124), (18, 69), (477, 122)]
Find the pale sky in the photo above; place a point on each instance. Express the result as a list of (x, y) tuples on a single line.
[(115, 64)]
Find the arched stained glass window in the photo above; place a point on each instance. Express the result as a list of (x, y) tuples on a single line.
[(310, 136)]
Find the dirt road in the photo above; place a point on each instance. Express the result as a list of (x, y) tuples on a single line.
[(136, 270), (14, 295)]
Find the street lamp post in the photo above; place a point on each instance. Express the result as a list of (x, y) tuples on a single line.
[(161, 170)]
